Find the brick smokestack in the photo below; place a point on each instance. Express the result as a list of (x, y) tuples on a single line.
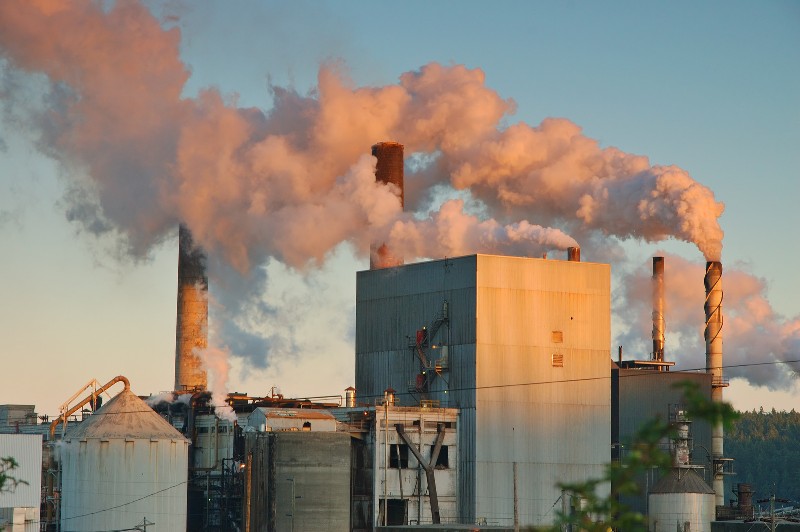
[(389, 170), (191, 331)]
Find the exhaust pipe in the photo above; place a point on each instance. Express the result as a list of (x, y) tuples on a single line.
[(658, 309), (574, 254)]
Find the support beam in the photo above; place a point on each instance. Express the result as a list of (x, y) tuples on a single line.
[(427, 466)]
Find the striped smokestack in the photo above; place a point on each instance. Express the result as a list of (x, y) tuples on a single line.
[(658, 309), (388, 170), (713, 337), (191, 331)]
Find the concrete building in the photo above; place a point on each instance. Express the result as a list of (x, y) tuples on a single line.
[(296, 480), (521, 347)]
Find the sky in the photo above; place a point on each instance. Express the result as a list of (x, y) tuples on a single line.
[(623, 126)]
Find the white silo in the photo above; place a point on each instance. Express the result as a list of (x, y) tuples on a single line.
[(681, 500), (123, 465)]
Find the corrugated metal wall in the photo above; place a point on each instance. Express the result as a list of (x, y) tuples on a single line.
[(26, 449), (552, 419)]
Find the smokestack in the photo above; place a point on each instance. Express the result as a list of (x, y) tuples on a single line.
[(658, 309), (574, 254), (713, 337), (192, 325), (388, 170)]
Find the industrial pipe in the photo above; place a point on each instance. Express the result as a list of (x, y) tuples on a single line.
[(658, 309), (574, 254), (89, 398)]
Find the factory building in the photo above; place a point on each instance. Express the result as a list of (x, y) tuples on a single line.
[(520, 347), (481, 383)]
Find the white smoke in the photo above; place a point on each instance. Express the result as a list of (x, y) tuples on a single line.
[(752, 330), (293, 183)]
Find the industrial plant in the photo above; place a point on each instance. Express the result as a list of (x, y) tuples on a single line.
[(482, 382)]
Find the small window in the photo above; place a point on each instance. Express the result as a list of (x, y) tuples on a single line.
[(202, 430), (398, 456), (558, 360), (396, 511), (558, 337), (443, 460)]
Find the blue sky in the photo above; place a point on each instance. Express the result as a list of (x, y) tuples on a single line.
[(710, 87)]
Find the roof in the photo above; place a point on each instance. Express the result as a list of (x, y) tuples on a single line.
[(297, 413), (681, 480), (124, 416)]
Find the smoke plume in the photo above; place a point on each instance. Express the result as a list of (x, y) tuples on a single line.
[(752, 331), (294, 182)]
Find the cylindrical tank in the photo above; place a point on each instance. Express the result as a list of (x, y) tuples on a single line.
[(574, 254), (388, 396), (122, 465), (214, 441), (350, 397), (679, 498)]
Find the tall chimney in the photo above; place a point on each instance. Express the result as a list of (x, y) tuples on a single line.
[(658, 309), (713, 337), (388, 170), (574, 254), (191, 331)]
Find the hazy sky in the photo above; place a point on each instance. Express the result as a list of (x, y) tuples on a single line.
[(713, 88)]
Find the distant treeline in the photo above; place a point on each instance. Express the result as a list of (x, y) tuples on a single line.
[(766, 450)]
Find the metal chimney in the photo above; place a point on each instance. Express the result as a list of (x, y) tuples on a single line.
[(658, 309), (713, 337), (574, 254), (388, 170), (191, 331)]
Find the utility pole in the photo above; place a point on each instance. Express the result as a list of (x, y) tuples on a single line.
[(143, 526), (516, 501)]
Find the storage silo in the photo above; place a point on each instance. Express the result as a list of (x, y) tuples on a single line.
[(123, 466), (681, 501)]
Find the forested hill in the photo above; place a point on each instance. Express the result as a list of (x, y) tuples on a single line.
[(766, 450)]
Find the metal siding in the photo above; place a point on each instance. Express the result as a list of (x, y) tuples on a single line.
[(26, 449), (100, 478), (555, 431), (644, 395), (669, 511)]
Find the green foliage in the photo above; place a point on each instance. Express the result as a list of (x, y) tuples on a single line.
[(600, 513), (7, 482), (765, 448)]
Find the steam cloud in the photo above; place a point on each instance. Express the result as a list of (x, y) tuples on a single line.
[(752, 331), (293, 183)]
